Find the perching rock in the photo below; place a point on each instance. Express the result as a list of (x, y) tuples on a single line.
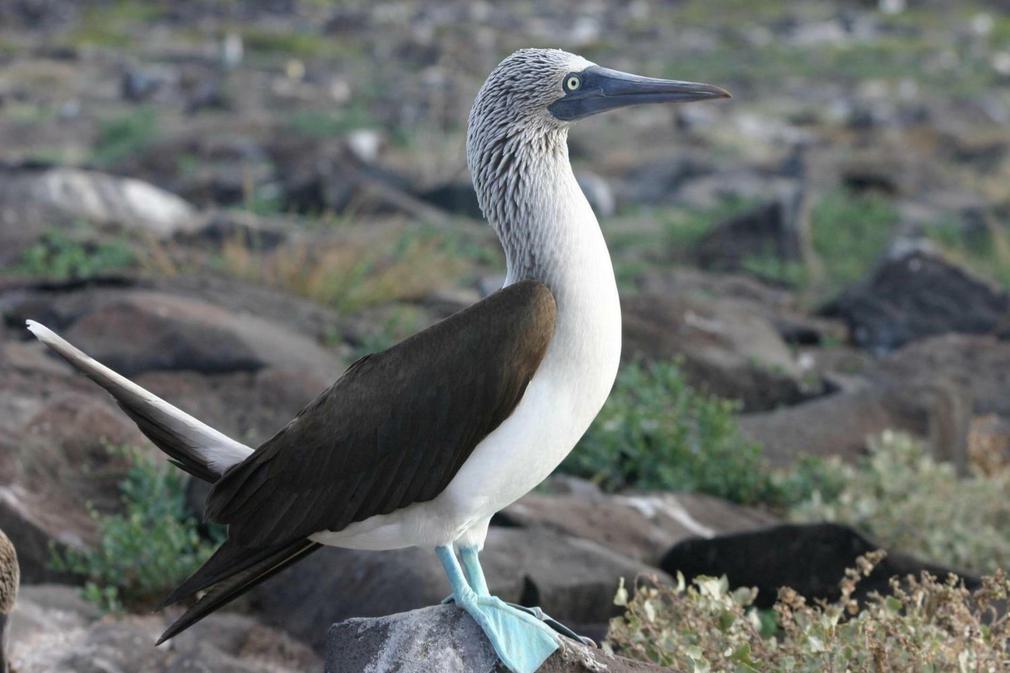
[(916, 295), (444, 639)]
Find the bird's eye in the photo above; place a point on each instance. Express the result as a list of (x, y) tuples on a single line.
[(572, 82)]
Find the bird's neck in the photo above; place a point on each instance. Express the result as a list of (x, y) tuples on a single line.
[(529, 194)]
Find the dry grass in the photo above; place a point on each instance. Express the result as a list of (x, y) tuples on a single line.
[(351, 274)]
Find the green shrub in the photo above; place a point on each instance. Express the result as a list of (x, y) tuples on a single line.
[(908, 501), (125, 136), (925, 625), (146, 550), (59, 255), (850, 231), (656, 432)]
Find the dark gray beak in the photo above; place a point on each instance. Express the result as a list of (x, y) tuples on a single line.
[(603, 89)]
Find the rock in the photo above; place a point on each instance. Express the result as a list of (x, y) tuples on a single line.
[(444, 639), (727, 349), (641, 527), (769, 233), (70, 193), (809, 558), (572, 579), (915, 295), (137, 330), (55, 631), (840, 424)]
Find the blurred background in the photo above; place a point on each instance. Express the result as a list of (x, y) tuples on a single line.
[(231, 201)]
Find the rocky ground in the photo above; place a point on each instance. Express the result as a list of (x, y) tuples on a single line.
[(229, 202)]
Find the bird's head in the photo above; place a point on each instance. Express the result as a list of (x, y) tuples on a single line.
[(550, 88)]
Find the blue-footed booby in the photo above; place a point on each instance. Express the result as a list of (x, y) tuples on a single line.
[(421, 444)]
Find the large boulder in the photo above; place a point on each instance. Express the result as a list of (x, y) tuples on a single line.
[(915, 295), (727, 348), (810, 558), (134, 329), (444, 639)]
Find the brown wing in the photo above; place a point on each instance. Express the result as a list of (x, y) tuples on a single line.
[(395, 429)]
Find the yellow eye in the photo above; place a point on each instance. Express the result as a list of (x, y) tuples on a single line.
[(572, 82)]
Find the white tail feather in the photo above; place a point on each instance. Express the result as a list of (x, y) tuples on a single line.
[(215, 450)]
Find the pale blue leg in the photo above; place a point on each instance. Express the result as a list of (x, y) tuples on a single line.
[(521, 641), (475, 576)]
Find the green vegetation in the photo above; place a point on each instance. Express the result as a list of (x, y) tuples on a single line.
[(331, 123), (125, 136), (656, 432), (850, 231), (984, 250), (59, 255), (147, 549), (925, 625), (908, 501)]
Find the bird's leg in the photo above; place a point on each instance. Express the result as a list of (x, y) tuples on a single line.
[(474, 573), (475, 577), (521, 641)]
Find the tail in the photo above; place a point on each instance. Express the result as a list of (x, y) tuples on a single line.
[(190, 444), (203, 452), (231, 562)]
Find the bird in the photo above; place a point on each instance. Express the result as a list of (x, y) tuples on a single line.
[(10, 577), (421, 444)]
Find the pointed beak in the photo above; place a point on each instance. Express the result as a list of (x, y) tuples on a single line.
[(604, 89)]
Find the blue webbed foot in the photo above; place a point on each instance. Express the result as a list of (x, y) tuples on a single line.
[(521, 641)]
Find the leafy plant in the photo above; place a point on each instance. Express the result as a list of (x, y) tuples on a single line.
[(59, 255), (850, 231), (125, 136), (906, 500), (145, 550), (924, 625), (656, 432)]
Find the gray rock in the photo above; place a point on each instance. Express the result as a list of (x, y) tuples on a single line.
[(727, 349), (55, 631), (639, 526), (443, 639), (136, 330)]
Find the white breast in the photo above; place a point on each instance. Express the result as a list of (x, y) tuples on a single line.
[(562, 399)]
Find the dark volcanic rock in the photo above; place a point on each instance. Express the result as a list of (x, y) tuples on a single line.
[(768, 232), (808, 558), (444, 639), (916, 295)]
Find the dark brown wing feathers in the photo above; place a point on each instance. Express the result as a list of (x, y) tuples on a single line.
[(395, 428)]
